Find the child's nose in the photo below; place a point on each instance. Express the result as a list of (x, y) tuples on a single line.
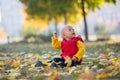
[(73, 31)]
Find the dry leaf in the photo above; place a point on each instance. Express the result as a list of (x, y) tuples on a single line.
[(68, 61), (87, 74)]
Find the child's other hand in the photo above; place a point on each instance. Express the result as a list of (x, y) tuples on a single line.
[(75, 59), (55, 34)]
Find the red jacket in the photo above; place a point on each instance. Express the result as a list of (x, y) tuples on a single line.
[(69, 47)]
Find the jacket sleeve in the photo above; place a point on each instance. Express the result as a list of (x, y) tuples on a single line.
[(56, 43), (81, 50)]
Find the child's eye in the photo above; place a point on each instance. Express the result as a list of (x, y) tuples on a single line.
[(69, 29)]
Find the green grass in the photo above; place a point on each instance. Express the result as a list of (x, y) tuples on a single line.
[(26, 47), (41, 48), (90, 60), (102, 47)]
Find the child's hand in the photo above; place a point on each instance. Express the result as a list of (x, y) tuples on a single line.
[(55, 35), (75, 59)]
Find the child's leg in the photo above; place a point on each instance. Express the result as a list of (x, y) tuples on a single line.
[(58, 59), (60, 62), (39, 63), (76, 63)]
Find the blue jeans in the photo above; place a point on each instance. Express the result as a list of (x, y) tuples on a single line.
[(61, 62)]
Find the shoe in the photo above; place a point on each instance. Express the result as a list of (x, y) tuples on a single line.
[(39, 63), (54, 65)]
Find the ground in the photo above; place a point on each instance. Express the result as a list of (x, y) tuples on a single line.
[(17, 61)]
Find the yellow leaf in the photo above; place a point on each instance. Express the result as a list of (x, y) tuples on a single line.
[(115, 63), (100, 76), (87, 74), (110, 67), (30, 69), (44, 62), (2, 63), (16, 63), (68, 61), (37, 56), (54, 77)]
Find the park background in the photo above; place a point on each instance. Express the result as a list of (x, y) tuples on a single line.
[(26, 27)]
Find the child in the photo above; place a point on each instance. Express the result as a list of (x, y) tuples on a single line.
[(72, 46)]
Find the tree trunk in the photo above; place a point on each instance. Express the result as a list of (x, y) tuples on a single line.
[(8, 39), (65, 18), (56, 29), (85, 23)]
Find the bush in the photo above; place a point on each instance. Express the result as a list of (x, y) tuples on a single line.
[(32, 38), (46, 38)]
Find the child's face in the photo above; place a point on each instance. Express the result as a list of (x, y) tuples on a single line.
[(68, 33)]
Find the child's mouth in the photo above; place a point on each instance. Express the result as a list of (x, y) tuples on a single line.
[(73, 33)]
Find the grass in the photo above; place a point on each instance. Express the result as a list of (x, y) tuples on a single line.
[(26, 47), (20, 63), (93, 47), (41, 48)]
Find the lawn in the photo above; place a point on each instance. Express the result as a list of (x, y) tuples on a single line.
[(91, 47), (17, 62)]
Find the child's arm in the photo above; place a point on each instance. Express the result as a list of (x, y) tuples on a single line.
[(81, 50), (55, 42)]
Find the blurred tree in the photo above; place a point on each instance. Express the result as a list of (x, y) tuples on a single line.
[(50, 9), (63, 9), (37, 9), (88, 5)]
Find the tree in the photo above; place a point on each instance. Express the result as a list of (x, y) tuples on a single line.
[(50, 9), (55, 9), (38, 9), (91, 5)]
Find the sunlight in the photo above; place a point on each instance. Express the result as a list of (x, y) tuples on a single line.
[(2, 33), (34, 26)]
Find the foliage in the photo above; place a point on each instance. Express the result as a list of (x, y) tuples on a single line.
[(91, 5), (96, 65), (67, 10), (45, 38), (44, 8), (95, 4), (33, 27), (15, 64)]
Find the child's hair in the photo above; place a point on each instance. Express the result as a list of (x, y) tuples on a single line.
[(62, 33)]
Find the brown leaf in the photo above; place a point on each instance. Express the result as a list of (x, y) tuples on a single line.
[(87, 74), (54, 77)]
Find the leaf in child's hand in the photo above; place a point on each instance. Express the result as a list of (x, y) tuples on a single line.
[(45, 63), (68, 61)]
